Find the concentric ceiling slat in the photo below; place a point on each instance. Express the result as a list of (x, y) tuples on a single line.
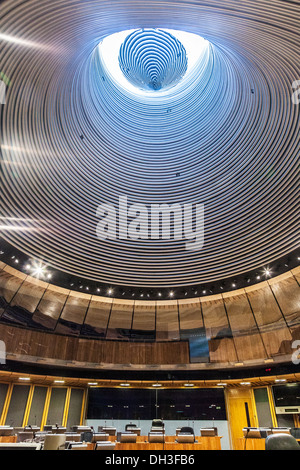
[(226, 136)]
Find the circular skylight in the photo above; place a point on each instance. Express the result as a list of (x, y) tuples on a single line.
[(152, 59), (148, 61)]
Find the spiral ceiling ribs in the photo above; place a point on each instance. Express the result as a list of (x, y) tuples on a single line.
[(152, 59), (223, 134)]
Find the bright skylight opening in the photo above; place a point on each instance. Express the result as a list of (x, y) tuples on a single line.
[(109, 49)]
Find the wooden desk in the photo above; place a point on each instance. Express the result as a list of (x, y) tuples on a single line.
[(203, 443), (8, 439), (251, 443)]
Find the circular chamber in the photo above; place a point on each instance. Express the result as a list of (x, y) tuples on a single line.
[(221, 135)]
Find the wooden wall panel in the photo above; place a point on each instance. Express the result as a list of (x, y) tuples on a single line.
[(50, 307), (29, 294), (144, 316), (73, 314), (73, 349), (247, 339), (275, 334), (190, 315), (10, 282), (120, 320), (167, 321), (218, 331), (97, 317), (287, 293)]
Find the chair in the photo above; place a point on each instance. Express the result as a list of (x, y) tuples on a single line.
[(59, 429), (87, 436), (100, 436), (208, 431), (280, 430), (133, 428), (156, 437), (24, 436), (128, 437), (186, 432), (105, 445), (281, 442), (295, 432), (158, 423), (107, 429), (157, 426), (54, 442), (47, 428), (78, 446), (72, 436), (78, 428), (6, 430)]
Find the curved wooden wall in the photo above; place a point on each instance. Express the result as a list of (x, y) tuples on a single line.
[(40, 321)]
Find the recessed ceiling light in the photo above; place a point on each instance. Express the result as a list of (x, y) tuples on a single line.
[(156, 385), (59, 381), (245, 383), (125, 384), (189, 385), (92, 383), (24, 378), (280, 380)]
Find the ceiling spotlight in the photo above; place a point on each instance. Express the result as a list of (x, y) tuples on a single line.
[(267, 272), (109, 291), (233, 284), (159, 294), (171, 294), (257, 277), (98, 289)]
